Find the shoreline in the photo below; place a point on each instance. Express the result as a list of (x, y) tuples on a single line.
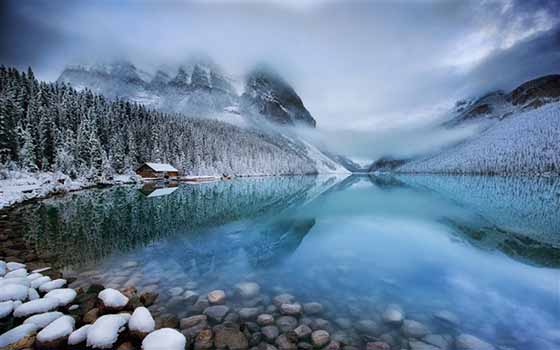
[(246, 315)]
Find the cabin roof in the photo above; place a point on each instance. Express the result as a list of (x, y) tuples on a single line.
[(160, 166)]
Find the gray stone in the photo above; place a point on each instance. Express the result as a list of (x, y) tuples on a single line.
[(343, 323), (303, 331), (249, 313), (228, 336), (270, 332), (320, 324), (265, 320), (393, 315), (247, 290), (192, 321), (294, 309), (286, 323), (191, 297), (216, 313), (320, 338), (283, 299), (368, 327), (438, 340), (414, 329), (470, 342), (216, 297), (285, 343), (312, 308), (204, 340)]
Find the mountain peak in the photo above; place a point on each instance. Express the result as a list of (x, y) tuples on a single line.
[(267, 94)]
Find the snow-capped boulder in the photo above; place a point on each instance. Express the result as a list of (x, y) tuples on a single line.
[(79, 335), (16, 273), (105, 331), (6, 308), (12, 266), (13, 292), (141, 322), (44, 319), (36, 283), (16, 280), (3, 268), (64, 295), (32, 294), (21, 337), (56, 333), (113, 299), (52, 285), (33, 276), (36, 307), (165, 338)]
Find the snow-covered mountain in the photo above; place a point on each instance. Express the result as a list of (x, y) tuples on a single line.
[(519, 134), (201, 89), (198, 88)]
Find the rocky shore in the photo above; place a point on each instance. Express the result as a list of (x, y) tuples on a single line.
[(43, 308)]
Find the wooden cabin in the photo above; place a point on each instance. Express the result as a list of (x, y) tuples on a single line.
[(157, 170)]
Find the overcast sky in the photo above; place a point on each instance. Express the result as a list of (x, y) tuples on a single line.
[(364, 66)]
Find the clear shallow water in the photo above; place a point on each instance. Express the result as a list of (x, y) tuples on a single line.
[(484, 248)]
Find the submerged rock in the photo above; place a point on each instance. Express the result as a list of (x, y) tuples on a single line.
[(393, 315), (270, 332), (265, 320), (470, 342), (216, 313), (229, 336), (320, 338), (247, 290), (217, 297), (287, 323), (283, 299), (414, 329), (312, 308), (294, 309)]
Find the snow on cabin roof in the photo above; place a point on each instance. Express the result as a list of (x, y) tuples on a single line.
[(162, 192), (161, 167)]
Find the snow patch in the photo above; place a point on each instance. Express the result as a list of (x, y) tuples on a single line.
[(36, 307), (141, 320), (113, 298), (105, 331), (165, 338), (44, 319), (13, 292), (59, 328)]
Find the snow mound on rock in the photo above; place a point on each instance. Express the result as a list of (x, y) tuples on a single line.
[(6, 308), (59, 328), (165, 338), (44, 319), (13, 292), (113, 298), (105, 331), (52, 285), (141, 321), (17, 334), (36, 307), (64, 295), (79, 335)]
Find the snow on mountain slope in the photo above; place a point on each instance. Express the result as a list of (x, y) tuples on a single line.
[(523, 143)]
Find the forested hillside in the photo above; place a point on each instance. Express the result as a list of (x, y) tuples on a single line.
[(53, 127)]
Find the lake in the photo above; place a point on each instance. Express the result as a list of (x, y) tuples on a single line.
[(485, 250)]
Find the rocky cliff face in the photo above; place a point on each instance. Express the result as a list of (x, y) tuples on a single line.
[(268, 95), (198, 88), (498, 105)]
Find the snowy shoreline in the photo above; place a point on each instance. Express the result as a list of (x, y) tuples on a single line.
[(20, 187)]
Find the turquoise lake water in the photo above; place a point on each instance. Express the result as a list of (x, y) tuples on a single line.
[(484, 248)]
